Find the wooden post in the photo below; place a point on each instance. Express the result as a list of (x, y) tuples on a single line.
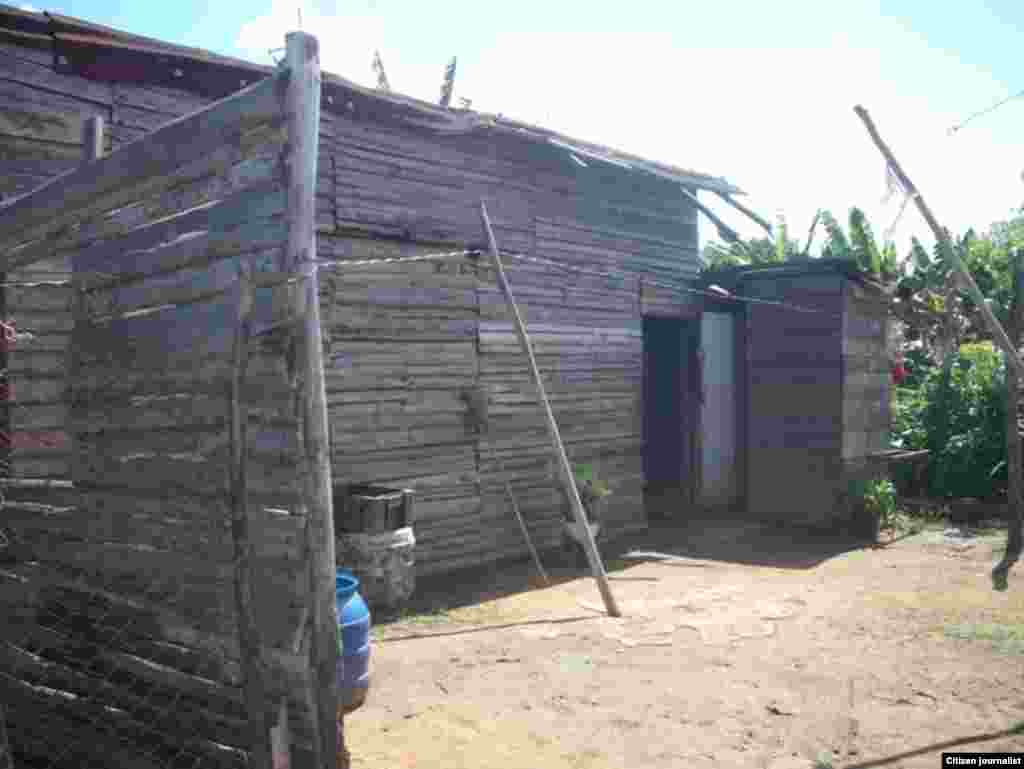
[(1014, 491), (303, 116), (92, 138), (249, 644), (568, 480), (6, 759), (519, 516), (999, 335)]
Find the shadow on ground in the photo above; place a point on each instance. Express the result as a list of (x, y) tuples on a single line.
[(723, 537)]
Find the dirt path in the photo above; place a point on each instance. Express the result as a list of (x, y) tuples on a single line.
[(852, 660)]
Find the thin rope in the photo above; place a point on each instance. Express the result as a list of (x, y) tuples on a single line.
[(347, 263), (663, 284), (985, 111)]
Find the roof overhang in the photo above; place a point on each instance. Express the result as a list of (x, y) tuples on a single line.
[(102, 53)]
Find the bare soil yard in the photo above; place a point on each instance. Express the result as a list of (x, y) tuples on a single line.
[(760, 650)]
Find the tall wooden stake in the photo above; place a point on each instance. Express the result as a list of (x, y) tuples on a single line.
[(948, 251), (519, 516), (6, 759), (92, 138), (249, 643), (303, 115), (589, 546), (999, 335)]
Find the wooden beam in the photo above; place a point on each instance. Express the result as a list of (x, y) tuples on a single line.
[(303, 110), (92, 138), (6, 758), (568, 479), (249, 637), (726, 232), (742, 208), (1013, 359)]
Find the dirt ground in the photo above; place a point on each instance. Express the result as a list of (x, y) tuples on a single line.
[(758, 649)]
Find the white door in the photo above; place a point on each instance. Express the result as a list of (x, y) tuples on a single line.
[(718, 482)]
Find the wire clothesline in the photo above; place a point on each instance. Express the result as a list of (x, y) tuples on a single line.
[(341, 264), (346, 264)]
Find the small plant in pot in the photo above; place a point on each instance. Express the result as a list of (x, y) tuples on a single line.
[(593, 492)]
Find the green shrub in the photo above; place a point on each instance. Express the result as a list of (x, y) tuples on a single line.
[(876, 497), (962, 425)]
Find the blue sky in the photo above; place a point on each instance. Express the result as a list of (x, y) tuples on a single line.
[(761, 93)]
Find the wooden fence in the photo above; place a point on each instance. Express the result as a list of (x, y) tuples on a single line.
[(170, 558)]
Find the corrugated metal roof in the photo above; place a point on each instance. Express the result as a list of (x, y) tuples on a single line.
[(731, 278), (71, 35)]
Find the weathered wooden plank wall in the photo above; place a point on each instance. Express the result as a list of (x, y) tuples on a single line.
[(794, 391), (588, 342), (140, 550), (40, 311), (817, 394), (406, 341), (41, 137), (401, 349)]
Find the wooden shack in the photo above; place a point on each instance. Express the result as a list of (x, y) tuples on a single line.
[(814, 388), (155, 485), (404, 341), (167, 522)]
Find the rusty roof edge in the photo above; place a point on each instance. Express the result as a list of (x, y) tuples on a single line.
[(435, 117)]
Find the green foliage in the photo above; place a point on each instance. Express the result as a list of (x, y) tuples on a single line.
[(1007, 639), (588, 484), (780, 240), (859, 245), (862, 240), (963, 424), (876, 497), (753, 251), (836, 244), (922, 290)]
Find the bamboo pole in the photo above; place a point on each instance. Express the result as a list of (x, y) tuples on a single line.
[(589, 546), (519, 516), (1001, 338), (303, 116), (949, 253)]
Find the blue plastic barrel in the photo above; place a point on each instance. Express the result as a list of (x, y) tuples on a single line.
[(353, 672)]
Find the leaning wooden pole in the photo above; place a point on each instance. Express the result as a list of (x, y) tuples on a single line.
[(303, 119), (1013, 358), (519, 516), (568, 480), (946, 248)]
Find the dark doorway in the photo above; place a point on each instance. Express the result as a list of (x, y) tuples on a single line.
[(670, 415)]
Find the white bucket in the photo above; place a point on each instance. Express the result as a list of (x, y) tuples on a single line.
[(384, 563), (389, 540)]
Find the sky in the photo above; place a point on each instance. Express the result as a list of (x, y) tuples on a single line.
[(759, 93)]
